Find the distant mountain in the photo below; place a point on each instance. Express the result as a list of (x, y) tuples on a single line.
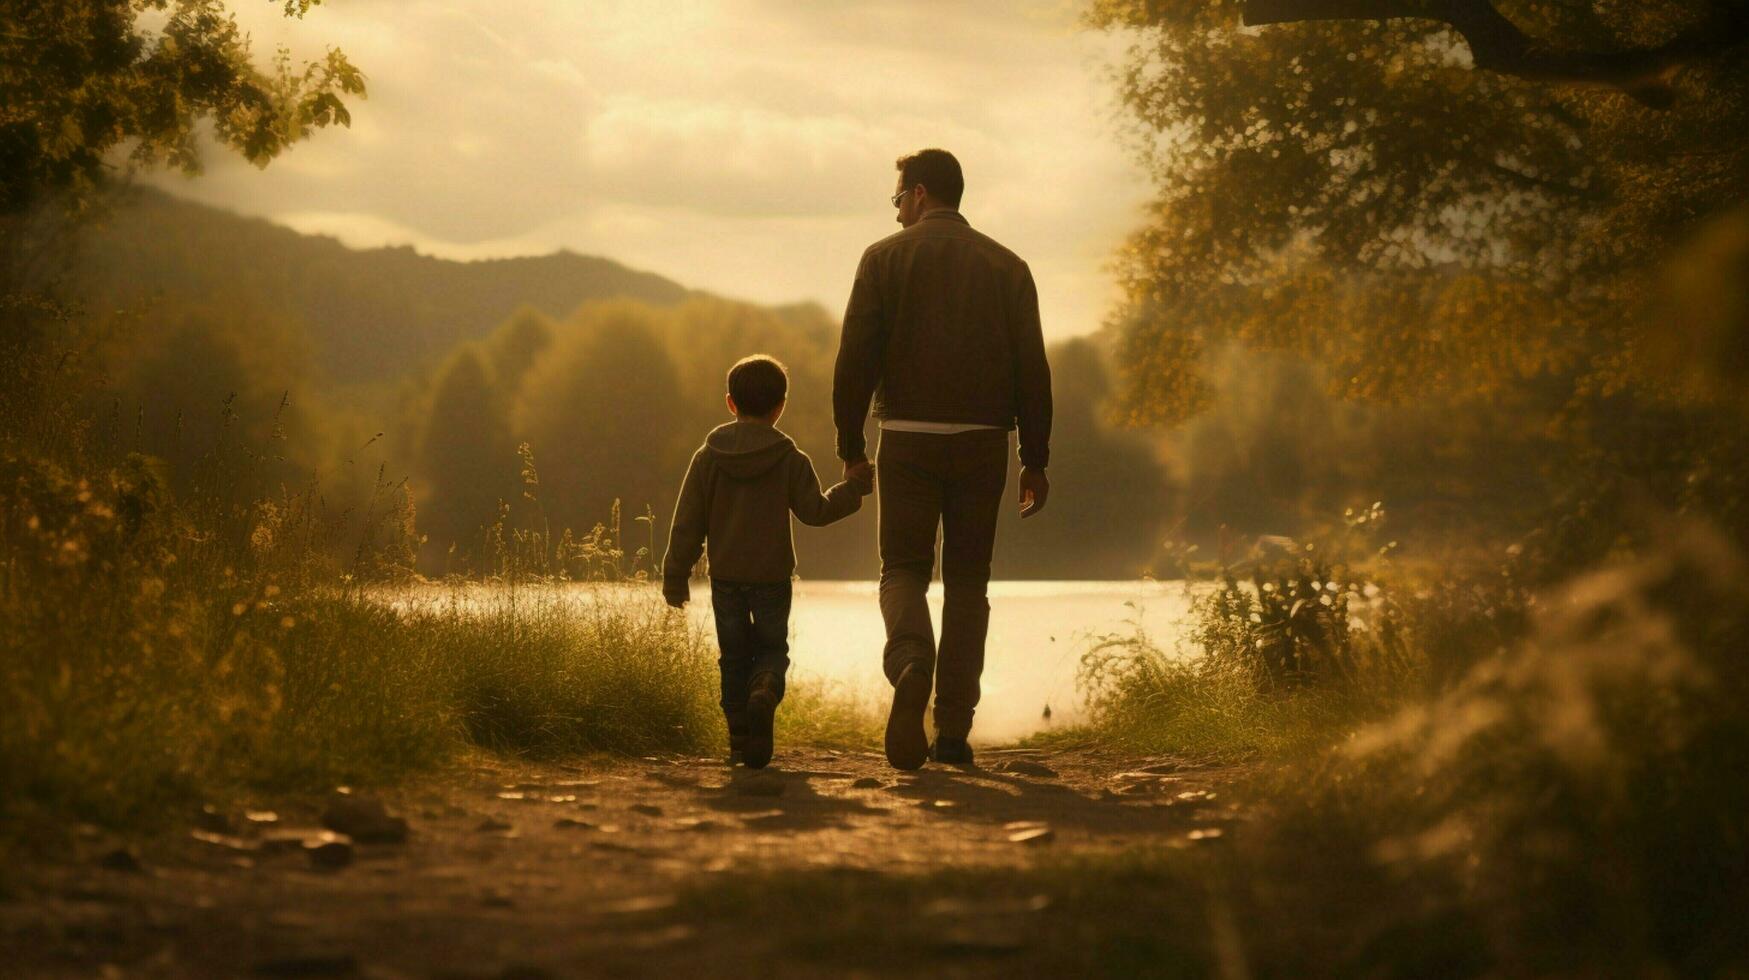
[(372, 314)]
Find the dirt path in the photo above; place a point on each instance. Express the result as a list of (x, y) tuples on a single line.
[(616, 868)]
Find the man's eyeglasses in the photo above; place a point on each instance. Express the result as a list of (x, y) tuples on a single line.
[(899, 197)]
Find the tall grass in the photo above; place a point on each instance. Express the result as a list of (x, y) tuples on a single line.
[(144, 664), (1290, 660)]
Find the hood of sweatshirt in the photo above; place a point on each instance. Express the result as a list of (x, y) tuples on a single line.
[(745, 450)]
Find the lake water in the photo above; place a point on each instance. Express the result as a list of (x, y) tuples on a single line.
[(1038, 631)]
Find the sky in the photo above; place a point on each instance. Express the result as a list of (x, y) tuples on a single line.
[(744, 147)]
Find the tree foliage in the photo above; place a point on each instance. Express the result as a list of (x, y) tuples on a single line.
[(1368, 192), (83, 79)]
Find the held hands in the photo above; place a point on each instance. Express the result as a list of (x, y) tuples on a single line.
[(860, 475), (1034, 488)]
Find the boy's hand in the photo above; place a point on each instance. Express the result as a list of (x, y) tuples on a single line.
[(861, 476)]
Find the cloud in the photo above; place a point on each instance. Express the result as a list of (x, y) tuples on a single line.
[(728, 157), (744, 146)]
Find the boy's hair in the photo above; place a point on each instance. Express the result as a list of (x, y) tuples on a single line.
[(758, 384), (937, 171)]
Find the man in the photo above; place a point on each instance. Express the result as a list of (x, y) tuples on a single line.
[(942, 332)]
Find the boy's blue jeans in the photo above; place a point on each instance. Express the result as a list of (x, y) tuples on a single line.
[(752, 637)]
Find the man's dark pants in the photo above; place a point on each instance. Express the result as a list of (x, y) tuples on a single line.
[(752, 638), (954, 481)]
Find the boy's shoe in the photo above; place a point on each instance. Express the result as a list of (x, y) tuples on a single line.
[(907, 743), (761, 712), (953, 751)]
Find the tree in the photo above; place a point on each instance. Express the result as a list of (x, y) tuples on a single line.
[(81, 78), (1497, 44), (603, 414), (221, 394), (1436, 198), (517, 344), (1443, 213), (467, 463)]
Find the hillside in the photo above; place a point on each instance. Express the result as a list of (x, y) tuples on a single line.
[(370, 314)]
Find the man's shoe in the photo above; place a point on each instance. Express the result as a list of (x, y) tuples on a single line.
[(907, 743), (737, 720), (953, 751), (761, 713)]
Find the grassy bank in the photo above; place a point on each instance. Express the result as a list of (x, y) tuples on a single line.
[(1276, 666), (152, 656), (116, 715)]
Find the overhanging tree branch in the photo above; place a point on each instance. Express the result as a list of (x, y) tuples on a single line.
[(1496, 44)]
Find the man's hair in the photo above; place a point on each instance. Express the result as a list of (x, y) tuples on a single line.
[(937, 171), (758, 384)]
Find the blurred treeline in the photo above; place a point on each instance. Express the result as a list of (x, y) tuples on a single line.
[(209, 340), (518, 394)]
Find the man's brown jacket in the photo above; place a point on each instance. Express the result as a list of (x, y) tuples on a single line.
[(943, 326)]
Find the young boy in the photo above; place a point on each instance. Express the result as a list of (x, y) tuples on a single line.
[(739, 491)]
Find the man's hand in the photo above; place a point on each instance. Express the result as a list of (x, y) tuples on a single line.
[(677, 601), (860, 475), (1034, 488)]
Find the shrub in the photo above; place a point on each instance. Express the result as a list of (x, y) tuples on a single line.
[(1579, 795), (1294, 658)]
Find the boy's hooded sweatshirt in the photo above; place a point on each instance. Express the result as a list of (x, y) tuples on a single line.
[(739, 491)]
